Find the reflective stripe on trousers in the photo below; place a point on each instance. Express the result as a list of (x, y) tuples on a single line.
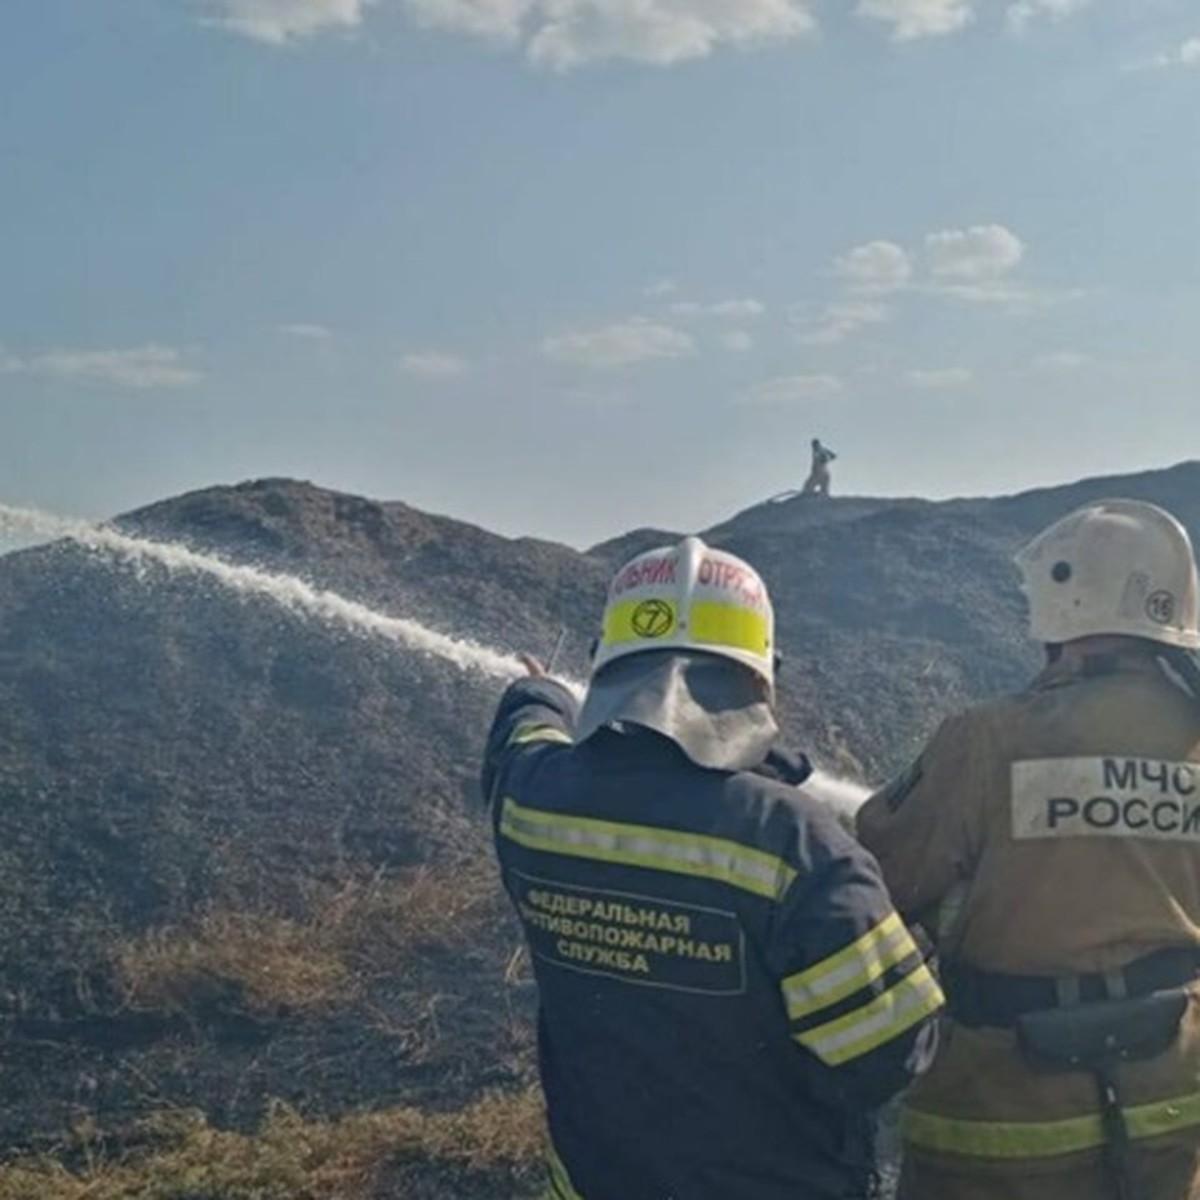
[(560, 1186), (1043, 1139)]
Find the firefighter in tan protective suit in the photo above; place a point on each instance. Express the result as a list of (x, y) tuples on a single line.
[(1050, 843)]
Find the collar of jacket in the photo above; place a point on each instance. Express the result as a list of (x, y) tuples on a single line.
[(1134, 659)]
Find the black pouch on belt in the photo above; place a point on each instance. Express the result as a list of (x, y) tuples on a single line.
[(1098, 1038)]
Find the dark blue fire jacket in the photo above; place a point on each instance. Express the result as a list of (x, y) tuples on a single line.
[(726, 993)]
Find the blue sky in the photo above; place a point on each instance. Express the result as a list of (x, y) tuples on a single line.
[(566, 267)]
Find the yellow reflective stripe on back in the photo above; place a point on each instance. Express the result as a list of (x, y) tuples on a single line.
[(561, 1186), (524, 735), (715, 624), (865, 1029), (640, 621), (1043, 1139), (695, 854), (850, 970)]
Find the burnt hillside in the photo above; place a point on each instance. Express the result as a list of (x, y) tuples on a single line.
[(241, 856)]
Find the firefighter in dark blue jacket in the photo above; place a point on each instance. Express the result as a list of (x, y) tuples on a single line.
[(726, 993)]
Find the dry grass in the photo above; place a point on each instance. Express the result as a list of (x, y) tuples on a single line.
[(184, 1158), (256, 962), (268, 964), (380, 923)]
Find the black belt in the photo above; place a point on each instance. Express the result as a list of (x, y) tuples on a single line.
[(978, 997)]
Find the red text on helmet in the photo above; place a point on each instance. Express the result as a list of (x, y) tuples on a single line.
[(732, 577), (646, 571)]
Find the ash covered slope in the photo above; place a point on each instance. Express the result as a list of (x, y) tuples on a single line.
[(177, 759), (181, 762), (141, 689)]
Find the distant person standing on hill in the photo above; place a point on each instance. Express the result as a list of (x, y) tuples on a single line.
[(726, 993), (817, 483), (1052, 839)]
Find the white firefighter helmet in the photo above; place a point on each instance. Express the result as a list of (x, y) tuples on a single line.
[(1114, 567), (687, 650), (689, 597)]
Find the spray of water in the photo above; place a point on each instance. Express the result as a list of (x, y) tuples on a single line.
[(286, 590), (843, 795), (27, 524)]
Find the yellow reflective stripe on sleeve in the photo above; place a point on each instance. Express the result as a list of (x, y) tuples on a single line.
[(714, 624), (857, 966), (561, 1187), (640, 621), (1043, 1139), (865, 1029), (525, 735), (694, 854)]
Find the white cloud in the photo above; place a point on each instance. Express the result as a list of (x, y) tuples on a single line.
[(570, 33), (501, 20), (312, 333), (869, 274), (562, 34), (434, 364), (1062, 360), (875, 267), (737, 341), (619, 345), (1023, 13), (278, 22), (1186, 54), (140, 368), (843, 318), (660, 287), (974, 255), (793, 389), (975, 264), (940, 378), (738, 310), (910, 19), (734, 310)]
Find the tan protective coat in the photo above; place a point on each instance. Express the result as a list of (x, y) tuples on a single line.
[(1054, 906)]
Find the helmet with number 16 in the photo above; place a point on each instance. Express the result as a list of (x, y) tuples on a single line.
[(1116, 567)]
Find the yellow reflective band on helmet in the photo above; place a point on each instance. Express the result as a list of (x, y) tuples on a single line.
[(915, 997), (728, 625), (525, 735), (657, 849), (561, 1187), (640, 621), (880, 949), (1043, 1139), (705, 623)]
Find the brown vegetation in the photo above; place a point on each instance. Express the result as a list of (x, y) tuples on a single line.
[(495, 1142), (267, 964), (253, 961)]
